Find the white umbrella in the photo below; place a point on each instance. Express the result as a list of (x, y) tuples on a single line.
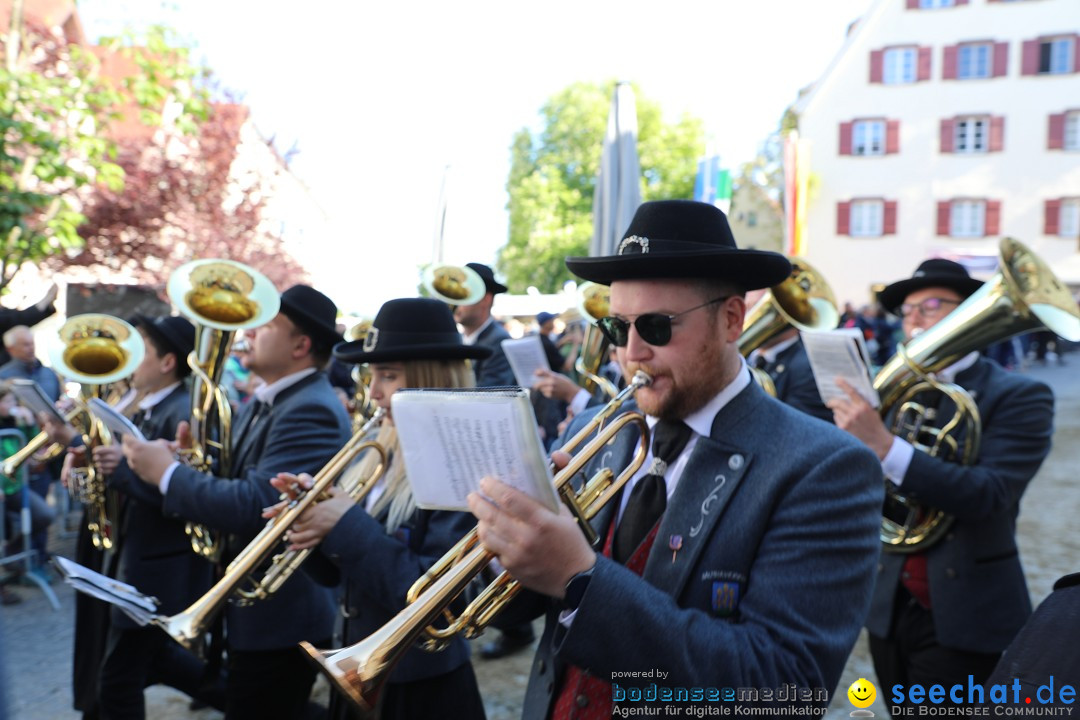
[(618, 185)]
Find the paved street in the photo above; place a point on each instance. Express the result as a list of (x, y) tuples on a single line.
[(37, 641)]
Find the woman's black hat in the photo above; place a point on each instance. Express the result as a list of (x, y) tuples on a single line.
[(935, 272), (682, 239), (312, 312), (411, 329), (488, 276), (173, 333)]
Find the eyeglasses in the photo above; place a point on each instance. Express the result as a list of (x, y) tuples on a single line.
[(654, 328), (929, 306)]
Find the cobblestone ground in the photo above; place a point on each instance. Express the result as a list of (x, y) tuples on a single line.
[(37, 641)]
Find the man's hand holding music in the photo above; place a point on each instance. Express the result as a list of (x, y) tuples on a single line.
[(860, 419), (107, 458), (556, 385)]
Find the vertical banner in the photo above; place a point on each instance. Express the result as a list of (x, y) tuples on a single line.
[(796, 184), (713, 183)]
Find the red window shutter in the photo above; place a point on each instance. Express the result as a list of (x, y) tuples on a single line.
[(924, 63), (845, 138), (961, 2), (997, 133), (1051, 216), (843, 218), (993, 218), (877, 64), (1001, 59), (944, 211), (892, 137), (1056, 135), (948, 135), (888, 223), (948, 63), (912, 4), (1030, 59)]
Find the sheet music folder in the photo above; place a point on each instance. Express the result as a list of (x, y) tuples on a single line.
[(450, 439)]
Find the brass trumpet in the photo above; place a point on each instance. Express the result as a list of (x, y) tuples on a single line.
[(221, 297), (360, 671), (190, 625)]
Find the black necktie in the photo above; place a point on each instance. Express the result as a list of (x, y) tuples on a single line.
[(648, 500), (259, 410), (760, 362)]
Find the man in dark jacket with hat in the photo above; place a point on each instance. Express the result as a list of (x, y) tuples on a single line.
[(296, 424), (944, 613), (480, 328), (154, 550), (741, 553)]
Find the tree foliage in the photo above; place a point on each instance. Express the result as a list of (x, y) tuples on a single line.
[(553, 176)]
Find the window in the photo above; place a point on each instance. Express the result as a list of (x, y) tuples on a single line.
[(867, 218), (970, 135), (1056, 56), (868, 137), (934, 4), (973, 61), (899, 66), (967, 218), (1069, 218), (1071, 140)]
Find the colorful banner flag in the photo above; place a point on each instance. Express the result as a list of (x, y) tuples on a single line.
[(796, 189), (713, 183)]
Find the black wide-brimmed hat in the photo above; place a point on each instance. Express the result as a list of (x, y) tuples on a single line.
[(935, 272), (488, 276), (411, 329), (312, 312), (682, 239), (174, 333)]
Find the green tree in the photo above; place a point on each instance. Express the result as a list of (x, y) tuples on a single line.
[(553, 175)]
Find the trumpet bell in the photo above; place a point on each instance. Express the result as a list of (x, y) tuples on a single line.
[(454, 284), (223, 294), (97, 349)]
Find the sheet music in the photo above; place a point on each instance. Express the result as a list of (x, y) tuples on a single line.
[(117, 423), (32, 396), (450, 439), (139, 607), (840, 353), (526, 355)]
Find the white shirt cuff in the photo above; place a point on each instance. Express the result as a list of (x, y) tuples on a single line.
[(896, 462), (166, 478), (580, 402)]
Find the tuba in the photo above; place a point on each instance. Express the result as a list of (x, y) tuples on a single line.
[(454, 284), (363, 407), (189, 626), (95, 350), (804, 301), (594, 302), (360, 671), (220, 297), (1024, 295)]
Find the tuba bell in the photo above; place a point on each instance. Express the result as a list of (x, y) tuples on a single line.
[(804, 301), (594, 302), (1023, 295), (221, 297), (454, 284), (95, 350)]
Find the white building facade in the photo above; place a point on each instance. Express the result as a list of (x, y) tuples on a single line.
[(941, 126)]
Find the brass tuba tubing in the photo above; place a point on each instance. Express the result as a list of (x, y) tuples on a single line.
[(189, 626), (360, 671)]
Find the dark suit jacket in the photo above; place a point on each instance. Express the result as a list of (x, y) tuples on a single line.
[(155, 551), (494, 371), (795, 384), (305, 428), (778, 515), (978, 594)]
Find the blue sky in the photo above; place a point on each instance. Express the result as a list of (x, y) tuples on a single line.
[(379, 98)]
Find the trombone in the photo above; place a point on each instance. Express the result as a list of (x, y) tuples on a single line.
[(360, 671), (190, 625)]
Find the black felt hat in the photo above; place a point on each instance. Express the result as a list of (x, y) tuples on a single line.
[(682, 239), (312, 312), (935, 272), (493, 286), (174, 333), (411, 329)]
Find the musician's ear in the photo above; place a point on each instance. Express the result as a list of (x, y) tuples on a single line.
[(168, 363)]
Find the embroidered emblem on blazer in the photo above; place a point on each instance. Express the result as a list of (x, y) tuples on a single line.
[(725, 598), (707, 503)]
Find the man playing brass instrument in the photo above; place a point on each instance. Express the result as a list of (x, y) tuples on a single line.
[(743, 557), (947, 612), (295, 424)]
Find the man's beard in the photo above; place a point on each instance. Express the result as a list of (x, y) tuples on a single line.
[(680, 399)]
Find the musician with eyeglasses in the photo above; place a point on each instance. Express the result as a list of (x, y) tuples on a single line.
[(742, 553), (946, 612), (381, 546), (295, 423)]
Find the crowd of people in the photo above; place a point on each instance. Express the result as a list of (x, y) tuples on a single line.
[(744, 551)]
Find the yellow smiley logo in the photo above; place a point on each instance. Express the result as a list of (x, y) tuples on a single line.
[(862, 693)]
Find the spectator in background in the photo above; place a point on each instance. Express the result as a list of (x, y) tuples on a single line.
[(19, 342), (480, 328), (30, 316)]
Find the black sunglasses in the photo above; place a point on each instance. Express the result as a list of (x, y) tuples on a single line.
[(654, 328)]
